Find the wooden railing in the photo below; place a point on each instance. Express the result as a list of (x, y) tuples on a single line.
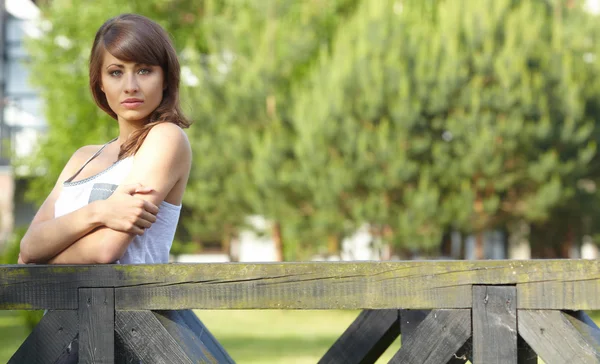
[(447, 311)]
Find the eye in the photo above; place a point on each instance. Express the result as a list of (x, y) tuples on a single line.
[(115, 73), (144, 71)]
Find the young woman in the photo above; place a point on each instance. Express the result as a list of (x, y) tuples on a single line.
[(120, 202)]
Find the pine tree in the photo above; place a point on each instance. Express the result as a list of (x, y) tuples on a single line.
[(256, 52), (438, 115)]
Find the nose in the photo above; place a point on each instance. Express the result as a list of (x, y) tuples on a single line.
[(131, 85)]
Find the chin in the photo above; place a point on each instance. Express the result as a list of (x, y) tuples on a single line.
[(134, 116)]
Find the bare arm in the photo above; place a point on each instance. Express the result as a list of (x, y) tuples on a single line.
[(47, 236), (163, 160)]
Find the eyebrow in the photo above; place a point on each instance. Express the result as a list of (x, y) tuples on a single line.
[(122, 66)]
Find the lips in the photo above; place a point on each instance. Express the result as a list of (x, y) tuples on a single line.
[(132, 103)]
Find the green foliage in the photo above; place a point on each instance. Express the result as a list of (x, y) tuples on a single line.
[(10, 255), (468, 117), (243, 162), (412, 117)]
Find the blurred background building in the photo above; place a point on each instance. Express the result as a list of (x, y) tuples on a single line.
[(21, 117)]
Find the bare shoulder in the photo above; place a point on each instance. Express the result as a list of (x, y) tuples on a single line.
[(77, 159), (168, 138), (164, 158), (86, 151)]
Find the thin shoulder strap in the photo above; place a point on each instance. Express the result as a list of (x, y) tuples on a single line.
[(89, 160)]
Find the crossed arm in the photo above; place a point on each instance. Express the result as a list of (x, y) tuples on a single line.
[(101, 231)]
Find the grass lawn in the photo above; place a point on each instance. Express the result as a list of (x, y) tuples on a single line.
[(297, 337), (256, 336), (12, 334)]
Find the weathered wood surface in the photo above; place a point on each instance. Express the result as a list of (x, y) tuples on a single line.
[(411, 319), (436, 339), (52, 339), (193, 337), (143, 335), (314, 285), (494, 324), (96, 325), (369, 335), (558, 337), (560, 294)]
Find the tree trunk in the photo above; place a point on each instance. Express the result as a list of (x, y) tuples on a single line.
[(462, 253), (568, 243), (479, 252), (277, 239), (333, 245), (228, 244), (446, 245)]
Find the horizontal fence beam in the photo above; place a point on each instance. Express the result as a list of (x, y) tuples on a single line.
[(541, 284)]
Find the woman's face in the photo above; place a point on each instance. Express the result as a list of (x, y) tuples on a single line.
[(133, 90)]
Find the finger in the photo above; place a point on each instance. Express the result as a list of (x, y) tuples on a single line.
[(130, 188), (150, 207), (136, 230), (148, 217), (143, 224), (144, 189)]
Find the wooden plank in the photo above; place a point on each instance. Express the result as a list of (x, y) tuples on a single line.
[(558, 337), (411, 319), (208, 286), (191, 340), (96, 325), (560, 294), (369, 335), (206, 343), (50, 340), (347, 294), (494, 325), (311, 285), (144, 337), (213, 346), (437, 338), (344, 285)]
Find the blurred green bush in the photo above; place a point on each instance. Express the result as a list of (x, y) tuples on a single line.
[(10, 255)]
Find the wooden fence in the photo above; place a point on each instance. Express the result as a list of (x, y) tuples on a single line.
[(447, 311)]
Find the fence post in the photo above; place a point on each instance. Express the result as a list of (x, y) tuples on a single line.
[(96, 325), (494, 324)]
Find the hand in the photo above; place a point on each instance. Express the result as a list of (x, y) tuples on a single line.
[(124, 212), (19, 260)]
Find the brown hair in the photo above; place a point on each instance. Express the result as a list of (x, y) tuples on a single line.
[(135, 38)]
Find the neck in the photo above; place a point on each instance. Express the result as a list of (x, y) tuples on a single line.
[(127, 127)]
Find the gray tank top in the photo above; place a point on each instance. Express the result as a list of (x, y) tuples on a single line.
[(151, 247)]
